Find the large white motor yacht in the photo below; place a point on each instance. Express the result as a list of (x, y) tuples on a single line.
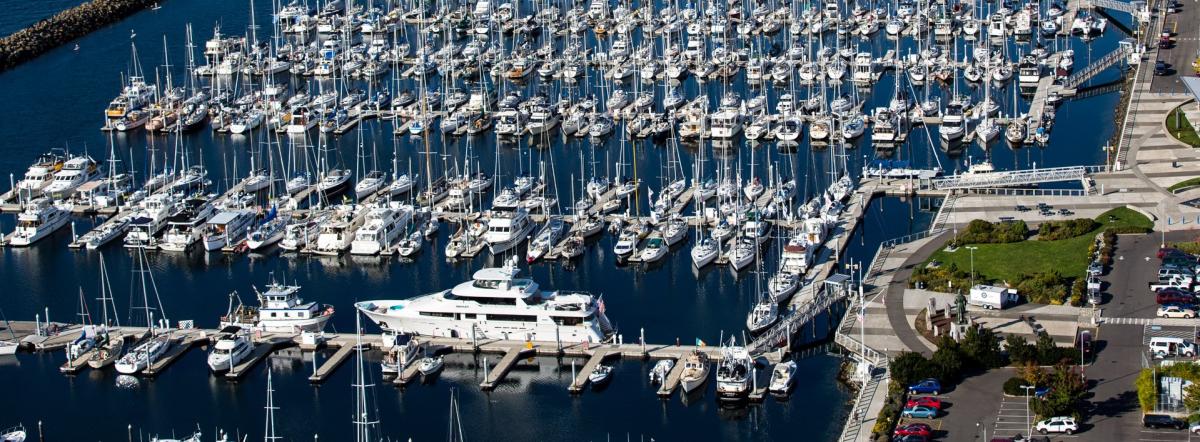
[(496, 304)]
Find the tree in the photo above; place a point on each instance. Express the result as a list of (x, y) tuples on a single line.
[(1019, 350), (1191, 396), (1047, 350), (948, 360), (909, 367), (981, 348), (1066, 393)]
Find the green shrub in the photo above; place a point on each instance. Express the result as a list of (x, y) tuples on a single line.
[(1192, 247), (1056, 230), (1012, 386), (982, 232), (910, 367), (1044, 287), (1128, 229), (942, 278)]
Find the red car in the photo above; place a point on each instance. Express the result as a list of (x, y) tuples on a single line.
[(922, 430), (925, 401)]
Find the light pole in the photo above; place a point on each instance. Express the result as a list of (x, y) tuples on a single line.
[(1028, 423), (972, 250), (862, 306)]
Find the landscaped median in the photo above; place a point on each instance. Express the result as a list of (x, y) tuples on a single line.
[(1046, 268), (1180, 128)]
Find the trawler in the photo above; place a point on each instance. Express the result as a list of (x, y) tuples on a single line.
[(507, 228), (227, 229), (280, 310), (496, 304), (39, 175), (75, 172), (383, 228), (38, 220), (734, 372)]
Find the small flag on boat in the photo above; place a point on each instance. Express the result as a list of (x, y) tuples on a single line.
[(700, 343)]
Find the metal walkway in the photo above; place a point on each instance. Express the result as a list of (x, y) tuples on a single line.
[(1121, 54), (1009, 178), (781, 332)]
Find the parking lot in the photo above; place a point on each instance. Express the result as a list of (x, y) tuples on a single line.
[(1183, 51)]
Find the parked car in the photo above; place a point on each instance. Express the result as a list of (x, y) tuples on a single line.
[(1061, 424), (914, 430), (1162, 421), (920, 412), (1084, 341), (924, 401), (1195, 428), (1164, 297), (1176, 311), (1163, 346), (910, 438), (926, 386), (1160, 68)]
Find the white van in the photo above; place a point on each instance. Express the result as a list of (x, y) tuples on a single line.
[(1166, 346)]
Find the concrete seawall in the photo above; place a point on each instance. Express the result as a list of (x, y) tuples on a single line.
[(47, 34)]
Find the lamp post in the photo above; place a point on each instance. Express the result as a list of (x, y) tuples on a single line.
[(972, 250), (862, 307), (1028, 423)]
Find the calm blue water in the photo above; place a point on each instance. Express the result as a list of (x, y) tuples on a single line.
[(57, 99), (19, 13)]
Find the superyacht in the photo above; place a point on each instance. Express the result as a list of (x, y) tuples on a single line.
[(496, 304)]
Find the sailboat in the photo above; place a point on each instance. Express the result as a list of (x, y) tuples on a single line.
[(155, 345), (8, 346), (109, 343)]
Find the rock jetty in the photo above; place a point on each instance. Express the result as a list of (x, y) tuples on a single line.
[(64, 27)]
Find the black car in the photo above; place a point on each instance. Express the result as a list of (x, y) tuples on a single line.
[(1162, 421), (1160, 68)]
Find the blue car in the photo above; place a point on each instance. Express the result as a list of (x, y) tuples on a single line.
[(920, 412), (927, 386)]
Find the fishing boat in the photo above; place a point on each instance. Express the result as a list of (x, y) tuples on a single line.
[(734, 372), (280, 310), (695, 371), (495, 304)]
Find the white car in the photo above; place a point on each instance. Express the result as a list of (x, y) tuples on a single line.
[(1061, 424), (1175, 311)]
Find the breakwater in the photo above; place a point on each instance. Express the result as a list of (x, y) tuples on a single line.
[(63, 27)]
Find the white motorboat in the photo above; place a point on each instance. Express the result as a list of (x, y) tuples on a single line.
[(37, 220), (656, 248), (228, 352), (227, 229), (430, 365), (600, 375), (782, 378), (39, 175), (507, 228), (383, 228), (74, 173), (495, 304), (661, 370)]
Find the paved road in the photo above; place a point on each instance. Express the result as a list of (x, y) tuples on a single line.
[(895, 294), (1187, 46)]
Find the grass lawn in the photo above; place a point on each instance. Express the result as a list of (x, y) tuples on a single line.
[(1185, 183), (1184, 131), (1068, 256)]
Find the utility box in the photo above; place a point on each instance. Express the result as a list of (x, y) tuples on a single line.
[(992, 297)]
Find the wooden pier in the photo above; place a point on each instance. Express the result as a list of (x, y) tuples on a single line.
[(672, 381), (496, 374), (261, 351), (581, 378), (326, 369)]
